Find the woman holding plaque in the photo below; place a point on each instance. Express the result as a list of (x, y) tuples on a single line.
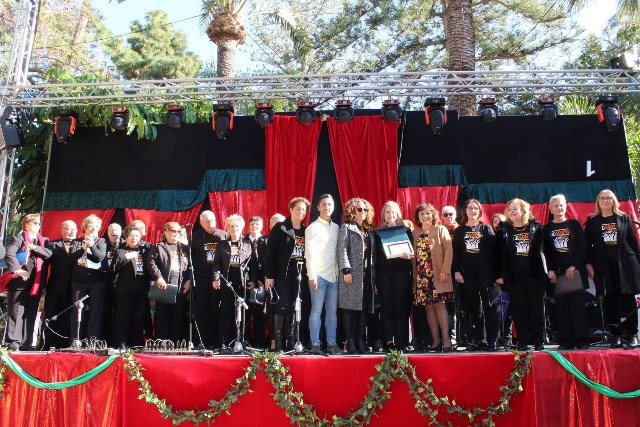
[(433, 286), (613, 261), (168, 265), (472, 255), (393, 280), (565, 250)]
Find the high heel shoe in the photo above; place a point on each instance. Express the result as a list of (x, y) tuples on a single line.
[(434, 349), (447, 349)]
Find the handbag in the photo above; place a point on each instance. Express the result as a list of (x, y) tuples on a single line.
[(167, 296), (256, 295), (564, 285)]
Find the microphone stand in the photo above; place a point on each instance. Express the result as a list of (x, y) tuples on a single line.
[(240, 306), (76, 343), (244, 267), (298, 348), (192, 291)]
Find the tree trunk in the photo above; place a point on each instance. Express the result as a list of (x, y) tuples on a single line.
[(460, 44), (81, 25), (227, 32)]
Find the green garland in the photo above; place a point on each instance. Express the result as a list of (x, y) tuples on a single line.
[(394, 365), (216, 407)]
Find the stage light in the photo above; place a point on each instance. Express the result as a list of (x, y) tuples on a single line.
[(222, 119), (65, 125), (547, 108), (11, 135), (609, 112), (175, 115), (391, 110), (628, 60), (488, 109), (119, 118), (344, 111), (306, 112), (435, 114), (264, 113)]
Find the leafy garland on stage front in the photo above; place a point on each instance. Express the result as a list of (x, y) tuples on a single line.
[(394, 365)]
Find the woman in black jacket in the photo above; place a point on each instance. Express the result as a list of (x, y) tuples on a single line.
[(472, 251), (236, 262), (168, 263), (613, 261), (565, 250), (393, 281), (284, 265), (521, 268), (132, 286), (24, 258), (88, 276)]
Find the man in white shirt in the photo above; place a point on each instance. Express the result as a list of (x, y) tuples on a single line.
[(321, 241)]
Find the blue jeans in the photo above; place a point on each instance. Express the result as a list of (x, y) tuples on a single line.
[(327, 295)]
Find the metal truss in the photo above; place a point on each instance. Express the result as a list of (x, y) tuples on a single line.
[(366, 86)]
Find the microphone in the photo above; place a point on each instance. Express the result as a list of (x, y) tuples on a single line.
[(187, 225), (635, 222)]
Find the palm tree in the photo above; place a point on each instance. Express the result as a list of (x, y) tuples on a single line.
[(224, 28)]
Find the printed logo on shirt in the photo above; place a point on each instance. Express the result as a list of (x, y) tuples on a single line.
[(521, 241), (610, 234), (298, 250), (235, 255), (560, 239), (472, 241), (139, 265), (210, 249), (175, 261)]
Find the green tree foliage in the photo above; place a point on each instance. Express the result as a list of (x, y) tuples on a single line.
[(64, 30), (154, 50)]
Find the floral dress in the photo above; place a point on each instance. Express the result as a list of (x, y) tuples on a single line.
[(426, 292)]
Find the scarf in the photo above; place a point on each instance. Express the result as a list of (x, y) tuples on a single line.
[(36, 281)]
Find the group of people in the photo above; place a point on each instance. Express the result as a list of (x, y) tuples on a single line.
[(331, 288)]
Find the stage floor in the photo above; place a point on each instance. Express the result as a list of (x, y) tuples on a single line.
[(333, 385)]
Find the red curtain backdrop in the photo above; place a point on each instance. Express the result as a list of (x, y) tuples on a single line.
[(365, 156), (155, 220), (333, 385), (409, 198), (291, 153), (245, 203), (52, 220)]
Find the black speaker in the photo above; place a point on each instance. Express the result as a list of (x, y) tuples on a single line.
[(10, 131)]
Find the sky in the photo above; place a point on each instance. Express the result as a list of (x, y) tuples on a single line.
[(117, 17)]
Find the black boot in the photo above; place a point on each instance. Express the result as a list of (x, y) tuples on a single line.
[(351, 347), (360, 346), (278, 323)]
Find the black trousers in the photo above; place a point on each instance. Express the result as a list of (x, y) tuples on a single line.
[(206, 312), (618, 305), (54, 303), (394, 287), (170, 319), (476, 295), (527, 310), (572, 319), (255, 325), (23, 310), (92, 315), (129, 317)]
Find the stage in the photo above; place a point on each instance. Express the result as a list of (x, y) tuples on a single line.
[(326, 386)]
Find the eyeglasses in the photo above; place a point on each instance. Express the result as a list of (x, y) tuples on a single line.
[(362, 209), (174, 231), (607, 198), (448, 214), (70, 229)]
